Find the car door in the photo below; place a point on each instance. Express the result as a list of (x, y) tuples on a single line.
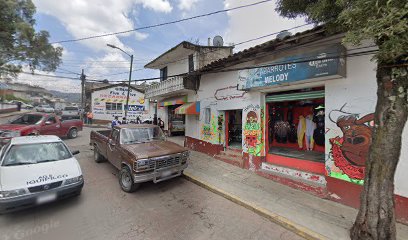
[(112, 149), (50, 126)]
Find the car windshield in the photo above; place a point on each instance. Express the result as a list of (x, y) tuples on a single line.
[(141, 135), (46, 106), (28, 119), (36, 153)]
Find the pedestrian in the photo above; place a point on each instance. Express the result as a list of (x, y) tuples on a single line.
[(138, 120), (18, 106), (84, 116), (89, 116), (160, 123), (115, 121), (123, 121)]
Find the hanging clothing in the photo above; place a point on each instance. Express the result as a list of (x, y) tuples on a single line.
[(310, 127), (301, 130)]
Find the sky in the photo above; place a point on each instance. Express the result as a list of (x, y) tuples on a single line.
[(82, 18)]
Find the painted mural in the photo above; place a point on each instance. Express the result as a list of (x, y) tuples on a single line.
[(107, 103), (349, 151), (212, 132), (253, 142)]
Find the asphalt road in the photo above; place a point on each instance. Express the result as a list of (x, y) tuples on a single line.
[(175, 209)]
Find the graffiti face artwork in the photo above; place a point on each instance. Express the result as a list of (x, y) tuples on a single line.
[(350, 151), (251, 128)]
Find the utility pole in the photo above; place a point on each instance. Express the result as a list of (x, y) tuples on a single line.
[(83, 77), (128, 93)]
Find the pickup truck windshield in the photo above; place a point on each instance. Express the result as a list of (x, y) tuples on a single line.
[(138, 135), (28, 119), (36, 153)]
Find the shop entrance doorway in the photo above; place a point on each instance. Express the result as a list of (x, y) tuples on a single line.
[(234, 129), (296, 126), (176, 121)]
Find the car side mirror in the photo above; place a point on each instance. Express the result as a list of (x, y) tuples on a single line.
[(75, 152), (111, 142)]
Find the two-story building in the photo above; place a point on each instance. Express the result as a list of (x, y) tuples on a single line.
[(297, 110), (177, 89)]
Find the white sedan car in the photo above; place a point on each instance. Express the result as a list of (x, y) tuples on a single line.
[(45, 109), (36, 170)]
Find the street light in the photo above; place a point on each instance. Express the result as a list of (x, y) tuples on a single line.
[(130, 75)]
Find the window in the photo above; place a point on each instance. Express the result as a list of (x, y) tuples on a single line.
[(207, 116), (115, 135), (163, 74), (113, 106), (191, 63), (52, 120)]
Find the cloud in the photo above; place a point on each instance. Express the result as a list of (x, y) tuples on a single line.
[(94, 17), (254, 22), (186, 5)]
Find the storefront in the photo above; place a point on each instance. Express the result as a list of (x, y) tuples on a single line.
[(174, 123), (110, 101)]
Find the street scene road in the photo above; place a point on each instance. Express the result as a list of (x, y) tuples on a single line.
[(174, 209)]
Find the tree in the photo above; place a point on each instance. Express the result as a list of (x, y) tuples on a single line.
[(20, 43), (386, 23)]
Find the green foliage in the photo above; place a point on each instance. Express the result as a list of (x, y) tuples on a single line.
[(383, 21), (20, 44), (10, 97)]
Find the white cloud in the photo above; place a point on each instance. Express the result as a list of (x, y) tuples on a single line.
[(83, 18), (49, 83), (96, 70), (256, 21), (186, 5)]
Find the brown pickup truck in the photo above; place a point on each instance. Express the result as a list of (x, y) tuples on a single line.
[(140, 152)]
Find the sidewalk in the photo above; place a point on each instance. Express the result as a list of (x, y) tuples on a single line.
[(305, 214)]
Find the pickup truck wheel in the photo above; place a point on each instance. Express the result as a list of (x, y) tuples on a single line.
[(73, 133), (98, 158), (126, 180)]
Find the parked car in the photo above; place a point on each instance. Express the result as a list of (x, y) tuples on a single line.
[(140, 152), (36, 170), (70, 111), (39, 124), (45, 109), (176, 127)]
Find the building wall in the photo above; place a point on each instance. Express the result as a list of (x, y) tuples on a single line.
[(178, 67), (118, 94)]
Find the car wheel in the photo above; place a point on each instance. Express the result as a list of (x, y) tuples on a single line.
[(98, 158), (126, 180), (73, 133)]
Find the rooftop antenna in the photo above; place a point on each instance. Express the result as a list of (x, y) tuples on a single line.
[(218, 41)]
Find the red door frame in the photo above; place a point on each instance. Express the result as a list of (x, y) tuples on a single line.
[(266, 129), (226, 128)]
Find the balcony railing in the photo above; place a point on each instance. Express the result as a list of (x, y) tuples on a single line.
[(165, 87)]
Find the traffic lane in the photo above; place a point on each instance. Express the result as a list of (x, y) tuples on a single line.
[(176, 209)]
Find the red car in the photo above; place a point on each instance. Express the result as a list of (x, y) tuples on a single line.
[(39, 124)]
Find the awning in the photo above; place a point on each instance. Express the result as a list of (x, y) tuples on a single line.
[(173, 101), (189, 109), (295, 96)]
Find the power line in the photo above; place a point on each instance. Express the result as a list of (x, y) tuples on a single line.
[(301, 60), (163, 24)]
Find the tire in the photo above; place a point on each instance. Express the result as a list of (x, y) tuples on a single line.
[(73, 133), (98, 158), (126, 180)]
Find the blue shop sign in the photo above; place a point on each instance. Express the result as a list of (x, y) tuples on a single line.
[(329, 61), (136, 108)]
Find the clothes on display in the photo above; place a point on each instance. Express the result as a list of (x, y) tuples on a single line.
[(301, 131), (319, 132), (310, 127)]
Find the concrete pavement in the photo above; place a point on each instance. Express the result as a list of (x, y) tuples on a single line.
[(305, 214)]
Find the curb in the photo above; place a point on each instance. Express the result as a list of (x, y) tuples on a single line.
[(282, 221)]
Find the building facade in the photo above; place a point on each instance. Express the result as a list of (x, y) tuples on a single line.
[(297, 110), (110, 101), (176, 88)]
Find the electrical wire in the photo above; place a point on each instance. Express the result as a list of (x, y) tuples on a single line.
[(163, 24)]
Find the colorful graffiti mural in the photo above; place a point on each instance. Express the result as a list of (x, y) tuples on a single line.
[(253, 130), (350, 151), (212, 132)]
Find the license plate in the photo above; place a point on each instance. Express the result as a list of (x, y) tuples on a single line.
[(46, 198), (166, 173)]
